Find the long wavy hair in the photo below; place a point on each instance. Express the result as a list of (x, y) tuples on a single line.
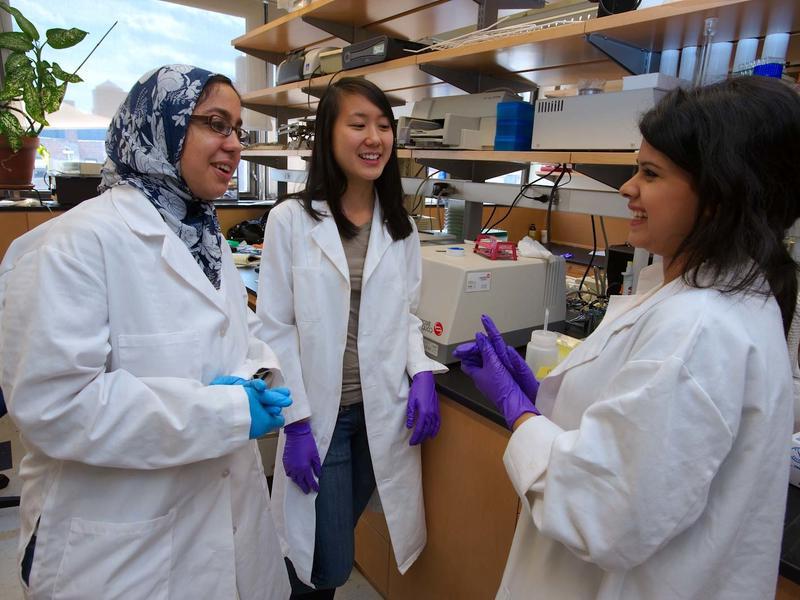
[(326, 180), (739, 140)]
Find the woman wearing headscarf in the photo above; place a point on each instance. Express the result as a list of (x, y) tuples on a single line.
[(128, 363)]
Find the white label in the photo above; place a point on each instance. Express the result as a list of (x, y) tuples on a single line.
[(378, 49), (479, 281), (431, 348)]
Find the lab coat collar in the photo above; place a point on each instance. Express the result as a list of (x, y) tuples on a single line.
[(379, 241), (326, 235), (623, 311), (143, 219)]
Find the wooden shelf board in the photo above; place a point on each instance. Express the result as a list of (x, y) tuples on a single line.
[(537, 49), (264, 155), (273, 152), (680, 24), (405, 19), (491, 155), (604, 158)]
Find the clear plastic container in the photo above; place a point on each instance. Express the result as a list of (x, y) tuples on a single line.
[(542, 352)]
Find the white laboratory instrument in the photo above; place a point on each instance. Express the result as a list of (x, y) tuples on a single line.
[(312, 66), (457, 290), (468, 121), (605, 121)]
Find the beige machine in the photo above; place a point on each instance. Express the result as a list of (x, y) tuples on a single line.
[(457, 290)]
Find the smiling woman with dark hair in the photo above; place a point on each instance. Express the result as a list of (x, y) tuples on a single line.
[(654, 462), (338, 288), (127, 356)]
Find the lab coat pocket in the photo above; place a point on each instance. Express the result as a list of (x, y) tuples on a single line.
[(307, 293), (173, 354), (116, 560)]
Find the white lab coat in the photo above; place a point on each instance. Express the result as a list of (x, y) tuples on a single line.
[(141, 476), (304, 302), (662, 470)]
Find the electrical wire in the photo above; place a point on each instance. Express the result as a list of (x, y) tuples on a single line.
[(552, 199), (417, 193), (513, 205)]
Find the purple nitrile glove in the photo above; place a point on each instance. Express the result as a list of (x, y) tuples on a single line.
[(301, 457), (511, 360), (497, 384), (422, 407), (468, 353)]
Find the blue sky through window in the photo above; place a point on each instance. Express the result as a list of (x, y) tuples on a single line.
[(150, 33)]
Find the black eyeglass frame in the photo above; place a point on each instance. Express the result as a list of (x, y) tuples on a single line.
[(219, 125)]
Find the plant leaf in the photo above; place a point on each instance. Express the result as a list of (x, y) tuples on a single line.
[(61, 74), (10, 127), (15, 40), (9, 92), (16, 60), (33, 103), (53, 96), (25, 26), (64, 38)]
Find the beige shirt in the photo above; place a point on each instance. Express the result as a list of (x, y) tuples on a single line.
[(356, 251)]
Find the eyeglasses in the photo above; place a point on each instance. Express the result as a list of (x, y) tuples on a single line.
[(221, 126)]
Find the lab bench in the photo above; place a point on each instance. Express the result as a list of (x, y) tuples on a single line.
[(471, 508)]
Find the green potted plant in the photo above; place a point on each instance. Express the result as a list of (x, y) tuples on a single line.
[(32, 88)]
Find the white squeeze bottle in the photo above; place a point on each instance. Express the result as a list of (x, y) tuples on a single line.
[(542, 352)]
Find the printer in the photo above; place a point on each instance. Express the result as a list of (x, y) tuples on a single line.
[(457, 290), (467, 121)]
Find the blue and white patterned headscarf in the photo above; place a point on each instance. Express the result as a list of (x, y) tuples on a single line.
[(144, 144)]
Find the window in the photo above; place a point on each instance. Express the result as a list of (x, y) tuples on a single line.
[(149, 33)]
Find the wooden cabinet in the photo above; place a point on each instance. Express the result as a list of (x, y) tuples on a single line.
[(14, 223), (470, 510)]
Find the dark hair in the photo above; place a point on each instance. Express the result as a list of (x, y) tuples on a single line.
[(213, 82), (326, 180), (739, 140)]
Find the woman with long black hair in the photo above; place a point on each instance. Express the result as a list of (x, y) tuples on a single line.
[(338, 287)]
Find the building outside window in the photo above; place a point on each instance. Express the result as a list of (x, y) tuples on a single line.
[(149, 33)]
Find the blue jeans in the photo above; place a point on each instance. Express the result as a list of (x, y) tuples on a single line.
[(345, 486)]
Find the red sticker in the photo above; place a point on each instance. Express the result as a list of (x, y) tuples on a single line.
[(437, 328)]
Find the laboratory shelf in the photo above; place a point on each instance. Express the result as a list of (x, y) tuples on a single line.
[(406, 19)]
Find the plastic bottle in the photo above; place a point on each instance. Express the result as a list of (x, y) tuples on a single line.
[(544, 234), (542, 352), (627, 280)]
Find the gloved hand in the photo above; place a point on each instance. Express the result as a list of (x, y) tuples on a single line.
[(470, 355), (300, 456), (265, 404), (422, 407), (496, 383), (511, 360)]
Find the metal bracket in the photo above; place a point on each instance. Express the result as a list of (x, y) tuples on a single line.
[(473, 170), (611, 175), (472, 82), (282, 113), (487, 11), (274, 58), (349, 33), (634, 59)]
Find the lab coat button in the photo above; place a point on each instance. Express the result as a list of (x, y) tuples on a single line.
[(234, 530), (223, 330), (226, 472)]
